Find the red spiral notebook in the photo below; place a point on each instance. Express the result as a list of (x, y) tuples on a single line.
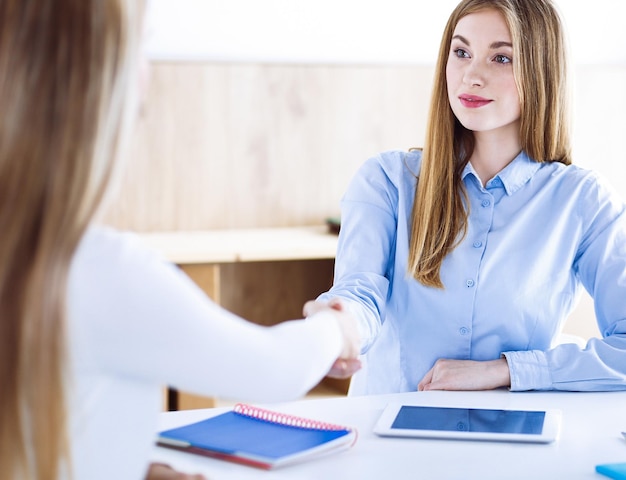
[(259, 438)]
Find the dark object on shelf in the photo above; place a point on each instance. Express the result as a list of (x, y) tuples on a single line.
[(334, 224)]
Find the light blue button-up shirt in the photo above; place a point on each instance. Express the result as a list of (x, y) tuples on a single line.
[(537, 233)]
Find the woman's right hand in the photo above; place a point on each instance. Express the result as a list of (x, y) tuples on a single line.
[(348, 362)]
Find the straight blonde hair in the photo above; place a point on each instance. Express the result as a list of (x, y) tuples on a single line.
[(439, 216), (66, 70)]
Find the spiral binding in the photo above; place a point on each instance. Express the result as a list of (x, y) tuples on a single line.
[(284, 419)]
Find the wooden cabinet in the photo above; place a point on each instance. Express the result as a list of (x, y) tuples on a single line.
[(263, 275)]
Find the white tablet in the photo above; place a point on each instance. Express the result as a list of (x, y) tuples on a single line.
[(402, 420)]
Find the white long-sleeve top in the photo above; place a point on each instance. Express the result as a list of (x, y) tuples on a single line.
[(137, 323)]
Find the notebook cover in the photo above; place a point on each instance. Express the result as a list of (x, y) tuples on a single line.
[(253, 441)]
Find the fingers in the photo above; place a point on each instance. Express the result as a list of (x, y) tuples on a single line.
[(344, 368), (336, 304), (424, 383), (161, 471), (313, 306), (444, 375)]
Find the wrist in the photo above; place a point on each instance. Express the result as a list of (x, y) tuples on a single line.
[(503, 372)]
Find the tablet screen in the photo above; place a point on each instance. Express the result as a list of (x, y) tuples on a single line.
[(469, 420)]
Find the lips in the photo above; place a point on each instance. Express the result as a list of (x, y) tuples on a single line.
[(473, 101)]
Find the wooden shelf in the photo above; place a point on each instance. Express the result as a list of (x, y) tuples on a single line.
[(244, 245)]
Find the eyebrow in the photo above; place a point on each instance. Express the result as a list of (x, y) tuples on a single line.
[(493, 46)]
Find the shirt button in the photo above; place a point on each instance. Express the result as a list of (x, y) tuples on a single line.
[(485, 203), (477, 244), (469, 283), (461, 427), (464, 330)]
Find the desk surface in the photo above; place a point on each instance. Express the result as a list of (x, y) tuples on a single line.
[(590, 434), (244, 245)]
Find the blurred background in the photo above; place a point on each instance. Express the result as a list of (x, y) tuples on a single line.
[(259, 112)]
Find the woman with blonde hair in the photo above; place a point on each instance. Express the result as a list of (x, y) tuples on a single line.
[(461, 262), (92, 326)]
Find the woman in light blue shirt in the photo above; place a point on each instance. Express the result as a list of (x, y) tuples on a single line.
[(462, 261)]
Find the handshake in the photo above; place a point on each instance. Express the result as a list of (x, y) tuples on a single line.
[(348, 361)]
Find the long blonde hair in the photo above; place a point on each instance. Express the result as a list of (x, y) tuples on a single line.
[(439, 217), (67, 68)]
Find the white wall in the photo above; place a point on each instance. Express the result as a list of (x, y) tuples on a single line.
[(349, 31)]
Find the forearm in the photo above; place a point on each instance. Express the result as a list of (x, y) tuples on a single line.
[(449, 374)]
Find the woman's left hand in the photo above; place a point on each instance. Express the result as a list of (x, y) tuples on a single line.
[(449, 374), (161, 471)]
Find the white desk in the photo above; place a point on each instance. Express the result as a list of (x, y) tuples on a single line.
[(590, 434)]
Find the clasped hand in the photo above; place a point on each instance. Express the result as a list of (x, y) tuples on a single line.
[(348, 362)]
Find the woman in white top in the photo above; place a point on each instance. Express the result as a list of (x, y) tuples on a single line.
[(91, 324)]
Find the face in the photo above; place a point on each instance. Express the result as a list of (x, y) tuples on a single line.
[(479, 75)]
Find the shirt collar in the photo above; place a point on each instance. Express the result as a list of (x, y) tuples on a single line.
[(514, 176)]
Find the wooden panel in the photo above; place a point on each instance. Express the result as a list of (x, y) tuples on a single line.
[(250, 145), (270, 292), (224, 145), (188, 401), (207, 277)]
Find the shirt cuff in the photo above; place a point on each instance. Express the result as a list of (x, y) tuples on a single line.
[(529, 370)]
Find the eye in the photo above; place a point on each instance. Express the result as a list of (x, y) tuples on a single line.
[(502, 59), (460, 53)]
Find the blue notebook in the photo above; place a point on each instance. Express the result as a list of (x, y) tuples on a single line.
[(258, 437), (613, 470)]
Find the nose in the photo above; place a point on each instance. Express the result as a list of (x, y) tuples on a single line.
[(474, 75)]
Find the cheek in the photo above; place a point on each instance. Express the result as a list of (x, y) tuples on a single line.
[(513, 95)]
